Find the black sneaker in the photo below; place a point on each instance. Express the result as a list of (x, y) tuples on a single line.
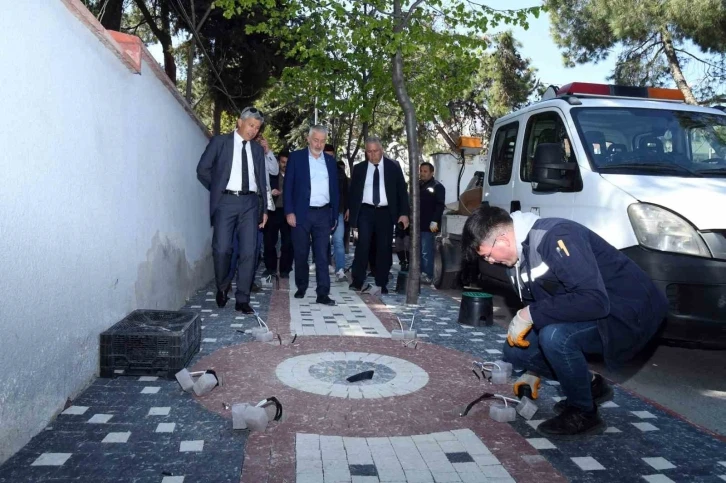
[(300, 294), (354, 287), (573, 423), (601, 392), (284, 274)]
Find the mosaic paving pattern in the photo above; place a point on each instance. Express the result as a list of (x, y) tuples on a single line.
[(400, 377), (351, 316), (451, 456), (146, 430), (143, 429)]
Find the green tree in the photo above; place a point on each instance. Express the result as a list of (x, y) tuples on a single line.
[(653, 36), (504, 82), (392, 33)]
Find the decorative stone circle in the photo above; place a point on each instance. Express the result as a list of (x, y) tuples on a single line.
[(325, 374)]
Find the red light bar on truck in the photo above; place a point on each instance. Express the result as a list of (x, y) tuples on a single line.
[(588, 89)]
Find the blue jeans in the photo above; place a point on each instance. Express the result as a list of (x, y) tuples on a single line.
[(557, 351), (427, 253), (338, 246)]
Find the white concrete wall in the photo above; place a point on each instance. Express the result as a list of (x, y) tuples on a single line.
[(100, 209)]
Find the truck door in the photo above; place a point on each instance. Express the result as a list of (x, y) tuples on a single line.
[(544, 126), (502, 153)]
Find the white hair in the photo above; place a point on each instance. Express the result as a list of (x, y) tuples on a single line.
[(319, 128)]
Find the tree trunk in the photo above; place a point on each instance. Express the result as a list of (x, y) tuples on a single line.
[(675, 67), (169, 61), (190, 68), (163, 35), (217, 118), (190, 59), (112, 15), (409, 113)]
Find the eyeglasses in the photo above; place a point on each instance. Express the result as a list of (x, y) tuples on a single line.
[(488, 258)]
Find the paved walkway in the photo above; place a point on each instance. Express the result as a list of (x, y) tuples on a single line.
[(350, 317), (404, 425)]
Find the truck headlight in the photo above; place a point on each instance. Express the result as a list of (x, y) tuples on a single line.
[(660, 229)]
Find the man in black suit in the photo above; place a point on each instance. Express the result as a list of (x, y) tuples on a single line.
[(232, 168), (378, 201)]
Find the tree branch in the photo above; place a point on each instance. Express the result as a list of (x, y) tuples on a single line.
[(407, 18), (698, 59), (204, 17), (161, 35)]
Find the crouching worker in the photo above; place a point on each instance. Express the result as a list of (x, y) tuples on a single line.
[(582, 296)]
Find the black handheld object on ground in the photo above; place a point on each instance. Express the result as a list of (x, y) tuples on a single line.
[(363, 376)]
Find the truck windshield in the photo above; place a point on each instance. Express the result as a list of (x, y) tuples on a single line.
[(653, 141)]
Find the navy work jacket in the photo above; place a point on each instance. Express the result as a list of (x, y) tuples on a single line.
[(567, 273)]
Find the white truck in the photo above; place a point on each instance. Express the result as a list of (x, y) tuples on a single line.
[(638, 166)]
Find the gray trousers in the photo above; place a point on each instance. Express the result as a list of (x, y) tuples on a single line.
[(236, 216)]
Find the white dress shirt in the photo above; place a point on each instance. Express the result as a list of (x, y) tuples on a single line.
[(368, 187), (319, 182), (235, 176), (272, 168)]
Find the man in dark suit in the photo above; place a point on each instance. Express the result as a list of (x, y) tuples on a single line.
[(277, 227), (232, 168), (378, 201), (310, 200)]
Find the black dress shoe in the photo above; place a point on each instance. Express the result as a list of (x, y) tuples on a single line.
[(354, 287), (573, 423), (255, 288), (601, 392), (325, 300), (244, 307), (221, 299), (384, 290), (300, 293)]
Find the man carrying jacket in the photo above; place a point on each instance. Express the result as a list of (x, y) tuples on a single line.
[(582, 296)]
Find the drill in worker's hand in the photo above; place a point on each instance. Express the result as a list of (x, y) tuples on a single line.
[(527, 386)]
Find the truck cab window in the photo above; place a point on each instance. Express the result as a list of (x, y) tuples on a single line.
[(502, 154), (548, 128)]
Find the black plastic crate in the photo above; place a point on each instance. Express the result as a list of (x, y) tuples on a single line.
[(151, 343)]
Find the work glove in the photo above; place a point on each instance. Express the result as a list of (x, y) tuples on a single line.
[(518, 329), (527, 380)]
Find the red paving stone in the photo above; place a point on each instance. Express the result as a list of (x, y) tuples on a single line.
[(249, 376)]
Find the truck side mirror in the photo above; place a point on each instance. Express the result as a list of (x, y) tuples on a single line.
[(551, 172)]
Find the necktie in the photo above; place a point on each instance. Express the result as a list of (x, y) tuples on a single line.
[(376, 187), (245, 168)]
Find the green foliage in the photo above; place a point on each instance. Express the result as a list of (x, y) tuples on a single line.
[(503, 82), (656, 37), (511, 78), (342, 51)]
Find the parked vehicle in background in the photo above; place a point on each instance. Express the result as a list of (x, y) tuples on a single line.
[(641, 168)]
